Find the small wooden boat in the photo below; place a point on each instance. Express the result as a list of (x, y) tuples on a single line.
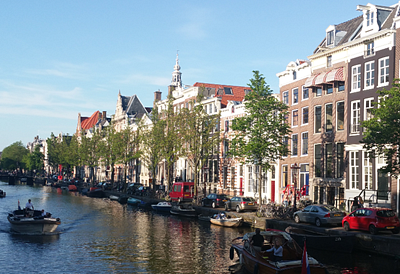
[(133, 201), (255, 261), (32, 222), (2, 194), (186, 210), (162, 207), (318, 240), (222, 219)]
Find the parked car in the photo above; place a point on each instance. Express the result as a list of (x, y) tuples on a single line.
[(319, 215), (241, 204), (372, 220), (214, 200)]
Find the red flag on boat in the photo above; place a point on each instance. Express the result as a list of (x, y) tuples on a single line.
[(306, 267)]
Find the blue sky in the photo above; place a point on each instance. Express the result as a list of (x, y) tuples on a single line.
[(59, 58)]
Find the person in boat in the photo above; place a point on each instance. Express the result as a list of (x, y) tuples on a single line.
[(277, 249), (29, 205), (257, 240), (45, 214)]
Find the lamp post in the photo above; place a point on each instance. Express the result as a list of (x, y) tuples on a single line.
[(295, 167)]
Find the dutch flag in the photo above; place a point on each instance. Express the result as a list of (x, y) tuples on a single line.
[(306, 267)]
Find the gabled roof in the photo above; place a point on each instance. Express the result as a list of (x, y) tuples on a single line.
[(131, 105), (89, 122), (216, 90)]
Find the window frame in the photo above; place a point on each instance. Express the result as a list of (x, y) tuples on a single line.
[(302, 115), (303, 147), (337, 115), (293, 118), (369, 75), (315, 119), (326, 117), (285, 97), (302, 93), (354, 127), (356, 78), (353, 169), (295, 145), (368, 101), (385, 68), (295, 97)]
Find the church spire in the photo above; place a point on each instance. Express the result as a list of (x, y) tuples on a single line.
[(176, 75)]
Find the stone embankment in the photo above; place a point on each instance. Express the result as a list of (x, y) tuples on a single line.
[(385, 243)]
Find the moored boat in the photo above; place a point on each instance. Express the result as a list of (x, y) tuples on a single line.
[(96, 193), (338, 243), (113, 197), (32, 222), (133, 201), (162, 207), (184, 210), (261, 261), (2, 194), (222, 219)]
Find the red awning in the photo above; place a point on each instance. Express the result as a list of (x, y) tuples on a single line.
[(320, 79), (335, 75), (310, 81)]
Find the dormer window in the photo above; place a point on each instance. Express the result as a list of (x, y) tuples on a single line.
[(330, 38), (294, 75), (370, 18), (228, 91)]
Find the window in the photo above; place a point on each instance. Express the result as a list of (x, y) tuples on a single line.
[(340, 86), (286, 144), (317, 119), (329, 88), (318, 91), (304, 143), (250, 178), (355, 117), (285, 96), (356, 78), (304, 174), (367, 171), (304, 116), (294, 75), (210, 108), (369, 74), (369, 49), (353, 169), (247, 91), (383, 71), (329, 61), (226, 125), (305, 93), (295, 97), (295, 118), (369, 18), (294, 144), (328, 118), (284, 176), (317, 161), (340, 115), (340, 160), (329, 160), (228, 91), (368, 108), (329, 38), (226, 148)]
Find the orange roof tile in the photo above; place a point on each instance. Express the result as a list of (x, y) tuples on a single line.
[(238, 92), (89, 122)]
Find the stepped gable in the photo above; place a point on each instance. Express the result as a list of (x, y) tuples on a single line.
[(238, 92)]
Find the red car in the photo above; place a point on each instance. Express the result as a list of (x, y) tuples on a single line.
[(372, 220)]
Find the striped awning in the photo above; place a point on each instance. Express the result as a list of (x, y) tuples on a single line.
[(335, 75), (320, 79), (310, 81)]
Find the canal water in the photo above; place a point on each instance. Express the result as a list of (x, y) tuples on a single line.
[(103, 236)]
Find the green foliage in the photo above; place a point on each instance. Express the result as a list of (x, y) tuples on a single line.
[(12, 156), (382, 132), (259, 137), (34, 160)]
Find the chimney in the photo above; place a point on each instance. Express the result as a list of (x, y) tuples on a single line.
[(157, 96), (171, 88), (104, 115)]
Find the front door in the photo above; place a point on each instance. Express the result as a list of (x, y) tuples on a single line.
[(273, 191), (383, 185)]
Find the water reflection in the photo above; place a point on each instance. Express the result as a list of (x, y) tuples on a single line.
[(36, 239)]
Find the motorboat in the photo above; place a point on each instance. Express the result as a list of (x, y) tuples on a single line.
[(113, 197), (123, 199), (2, 194), (261, 261), (133, 201), (222, 219), (32, 222), (96, 193), (162, 207), (183, 209), (322, 241)]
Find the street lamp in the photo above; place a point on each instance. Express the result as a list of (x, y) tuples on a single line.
[(295, 167)]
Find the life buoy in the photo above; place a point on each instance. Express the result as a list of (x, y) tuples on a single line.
[(231, 253)]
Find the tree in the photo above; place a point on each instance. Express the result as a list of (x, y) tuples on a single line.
[(197, 130), (152, 135), (89, 151), (259, 137), (382, 131), (12, 156), (171, 143), (109, 149), (34, 160)]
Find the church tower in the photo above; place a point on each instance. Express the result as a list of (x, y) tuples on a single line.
[(176, 75)]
